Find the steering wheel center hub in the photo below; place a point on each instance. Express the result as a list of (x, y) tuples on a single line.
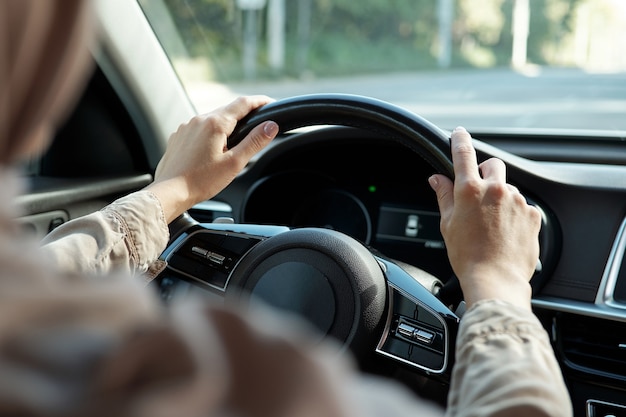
[(321, 275)]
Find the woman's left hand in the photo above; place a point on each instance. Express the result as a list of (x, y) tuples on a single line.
[(197, 164)]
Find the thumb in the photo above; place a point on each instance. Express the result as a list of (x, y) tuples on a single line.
[(256, 140), (443, 187)]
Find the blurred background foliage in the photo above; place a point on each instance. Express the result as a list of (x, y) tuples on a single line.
[(342, 37)]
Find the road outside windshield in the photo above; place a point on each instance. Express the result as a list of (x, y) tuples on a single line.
[(483, 64)]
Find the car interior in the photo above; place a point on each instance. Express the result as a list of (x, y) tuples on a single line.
[(335, 221)]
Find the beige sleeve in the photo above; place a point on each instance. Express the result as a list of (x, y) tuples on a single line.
[(80, 347), (505, 366), (119, 352), (128, 236)]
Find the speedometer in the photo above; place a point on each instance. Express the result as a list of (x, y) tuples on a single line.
[(337, 210)]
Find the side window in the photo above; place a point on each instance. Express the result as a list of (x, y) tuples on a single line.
[(98, 139)]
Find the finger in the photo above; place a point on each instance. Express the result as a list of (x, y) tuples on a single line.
[(256, 140), (513, 189), (493, 169), (444, 189), (463, 154), (240, 107)]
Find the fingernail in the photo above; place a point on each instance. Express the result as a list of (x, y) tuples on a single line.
[(270, 128), (459, 129), (434, 182)]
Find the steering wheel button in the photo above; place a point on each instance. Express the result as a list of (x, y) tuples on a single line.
[(423, 336), (406, 330), (216, 258), (199, 251), (414, 333), (213, 257)]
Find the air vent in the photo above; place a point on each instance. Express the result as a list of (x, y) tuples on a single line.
[(592, 345)]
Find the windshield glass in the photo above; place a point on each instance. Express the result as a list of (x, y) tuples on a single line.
[(483, 64)]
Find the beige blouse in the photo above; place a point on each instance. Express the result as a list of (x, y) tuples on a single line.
[(81, 335)]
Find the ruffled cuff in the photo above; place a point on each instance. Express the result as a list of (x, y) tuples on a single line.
[(141, 217)]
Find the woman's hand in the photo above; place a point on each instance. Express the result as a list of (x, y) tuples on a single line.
[(491, 233), (197, 163)]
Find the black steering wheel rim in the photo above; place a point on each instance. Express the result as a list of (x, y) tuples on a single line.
[(409, 129)]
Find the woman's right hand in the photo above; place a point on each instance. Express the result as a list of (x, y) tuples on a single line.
[(491, 232)]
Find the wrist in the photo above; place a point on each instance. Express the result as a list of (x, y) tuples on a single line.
[(505, 287), (172, 196)]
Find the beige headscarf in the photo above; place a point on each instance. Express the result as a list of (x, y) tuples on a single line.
[(43, 62)]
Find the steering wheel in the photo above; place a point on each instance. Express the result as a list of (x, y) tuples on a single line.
[(365, 301)]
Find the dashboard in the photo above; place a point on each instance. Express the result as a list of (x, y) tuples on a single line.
[(371, 188), (375, 190)]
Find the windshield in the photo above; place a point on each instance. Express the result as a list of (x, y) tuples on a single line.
[(484, 64)]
